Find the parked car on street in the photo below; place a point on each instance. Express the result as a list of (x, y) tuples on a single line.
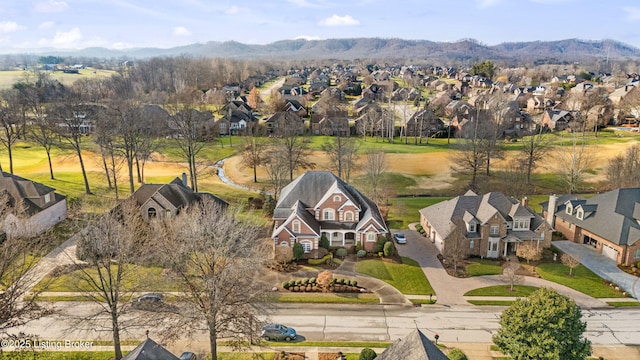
[(278, 332), (152, 302), (400, 238)]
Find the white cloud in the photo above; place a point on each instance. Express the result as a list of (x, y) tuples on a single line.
[(121, 46), (46, 25), (51, 6), (9, 27), (181, 31), (234, 10), (633, 12), (306, 37), (483, 4), (335, 20), (67, 39)]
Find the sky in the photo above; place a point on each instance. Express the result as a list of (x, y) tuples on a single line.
[(122, 24)]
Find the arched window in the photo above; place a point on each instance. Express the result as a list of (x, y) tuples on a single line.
[(337, 198), (151, 212), (328, 214), (284, 243), (348, 216), (295, 226)]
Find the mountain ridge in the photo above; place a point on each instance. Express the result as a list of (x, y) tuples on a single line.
[(390, 48)]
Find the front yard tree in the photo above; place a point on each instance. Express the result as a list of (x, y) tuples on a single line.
[(456, 245), (510, 273), (544, 326), (529, 252), (292, 146), (216, 258), (469, 155), (571, 261), (573, 160), (106, 249), (12, 121)]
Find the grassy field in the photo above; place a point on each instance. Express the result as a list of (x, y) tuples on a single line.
[(139, 278), (481, 267), (407, 277), (583, 280), (8, 78), (404, 211), (503, 290)]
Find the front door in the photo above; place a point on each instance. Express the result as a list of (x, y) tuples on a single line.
[(492, 250)]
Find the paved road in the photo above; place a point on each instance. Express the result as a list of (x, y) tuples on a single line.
[(601, 265), (364, 322)]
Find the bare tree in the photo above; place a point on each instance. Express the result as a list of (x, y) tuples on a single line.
[(253, 152), (534, 149), (217, 258), (456, 245), (292, 146), (343, 155), (276, 167), (529, 252), (624, 169), (374, 167), (510, 273), (573, 161), (189, 126), (12, 122), (107, 248), (469, 155), (69, 119), (325, 279), (571, 261), (19, 253)]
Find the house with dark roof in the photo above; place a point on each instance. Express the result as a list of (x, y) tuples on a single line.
[(43, 206), (285, 120), (415, 346), (317, 204), (609, 222), (151, 350), (495, 224), (167, 200), (555, 119)]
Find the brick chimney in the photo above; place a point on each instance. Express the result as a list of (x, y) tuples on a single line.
[(525, 201)]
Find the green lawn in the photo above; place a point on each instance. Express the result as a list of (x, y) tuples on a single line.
[(59, 355), (397, 147), (623, 303), (583, 280), (140, 278), (404, 211), (327, 298), (407, 277), (480, 267), (10, 77), (503, 290)]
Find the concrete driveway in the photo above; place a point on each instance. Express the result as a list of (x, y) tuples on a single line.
[(601, 265), (450, 290)]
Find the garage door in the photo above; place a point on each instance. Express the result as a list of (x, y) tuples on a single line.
[(610, 252)]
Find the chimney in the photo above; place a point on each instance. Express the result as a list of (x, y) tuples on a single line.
[(184, 179), (551, 209), (525, 201)]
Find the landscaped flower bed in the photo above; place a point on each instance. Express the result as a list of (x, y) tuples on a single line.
[(311, 285)]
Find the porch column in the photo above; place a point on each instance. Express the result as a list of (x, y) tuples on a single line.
[(506, 246)]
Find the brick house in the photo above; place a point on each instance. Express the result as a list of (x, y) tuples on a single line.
[(318, 203), (43, 207), (167, 200), (495, 224), (609, 222)]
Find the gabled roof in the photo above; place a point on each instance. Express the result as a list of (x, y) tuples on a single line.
[(311, 187), (150, 350), (480, 207), (612, 215), (415, 346), (178, 194), (30, 192)]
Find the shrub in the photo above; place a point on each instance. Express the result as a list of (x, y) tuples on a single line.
[(389, 249), (324, 242), (354, 283), (283, 254), (298, 251), (341, 281), (380, 244), (269, 206), (361, 253), (312, 280), (305, 281), (367, 354), (320, 261), (456, 354), (359, 247), (342, 252), (318, 253), (285, 285), (334, 280), (298, 282)]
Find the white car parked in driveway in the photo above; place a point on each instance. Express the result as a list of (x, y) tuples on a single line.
[(400, 238)]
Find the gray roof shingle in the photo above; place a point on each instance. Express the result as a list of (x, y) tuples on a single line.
[(415, 346)]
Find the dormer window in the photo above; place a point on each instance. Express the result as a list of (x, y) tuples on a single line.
[(569, 209), (580, 214), (337, 198), (471, 227), (151, 212), (47, 198)]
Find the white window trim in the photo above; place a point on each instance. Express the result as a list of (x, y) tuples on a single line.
[(47, 198), (471, 227), (569, 209), (337, 198), (580, 214), (497, 232), (349, 213), (295, 224), (306, 245), (637, 253), (371, 237), (328, 211)]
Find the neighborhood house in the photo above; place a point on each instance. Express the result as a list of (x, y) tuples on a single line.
[(319, 203)]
